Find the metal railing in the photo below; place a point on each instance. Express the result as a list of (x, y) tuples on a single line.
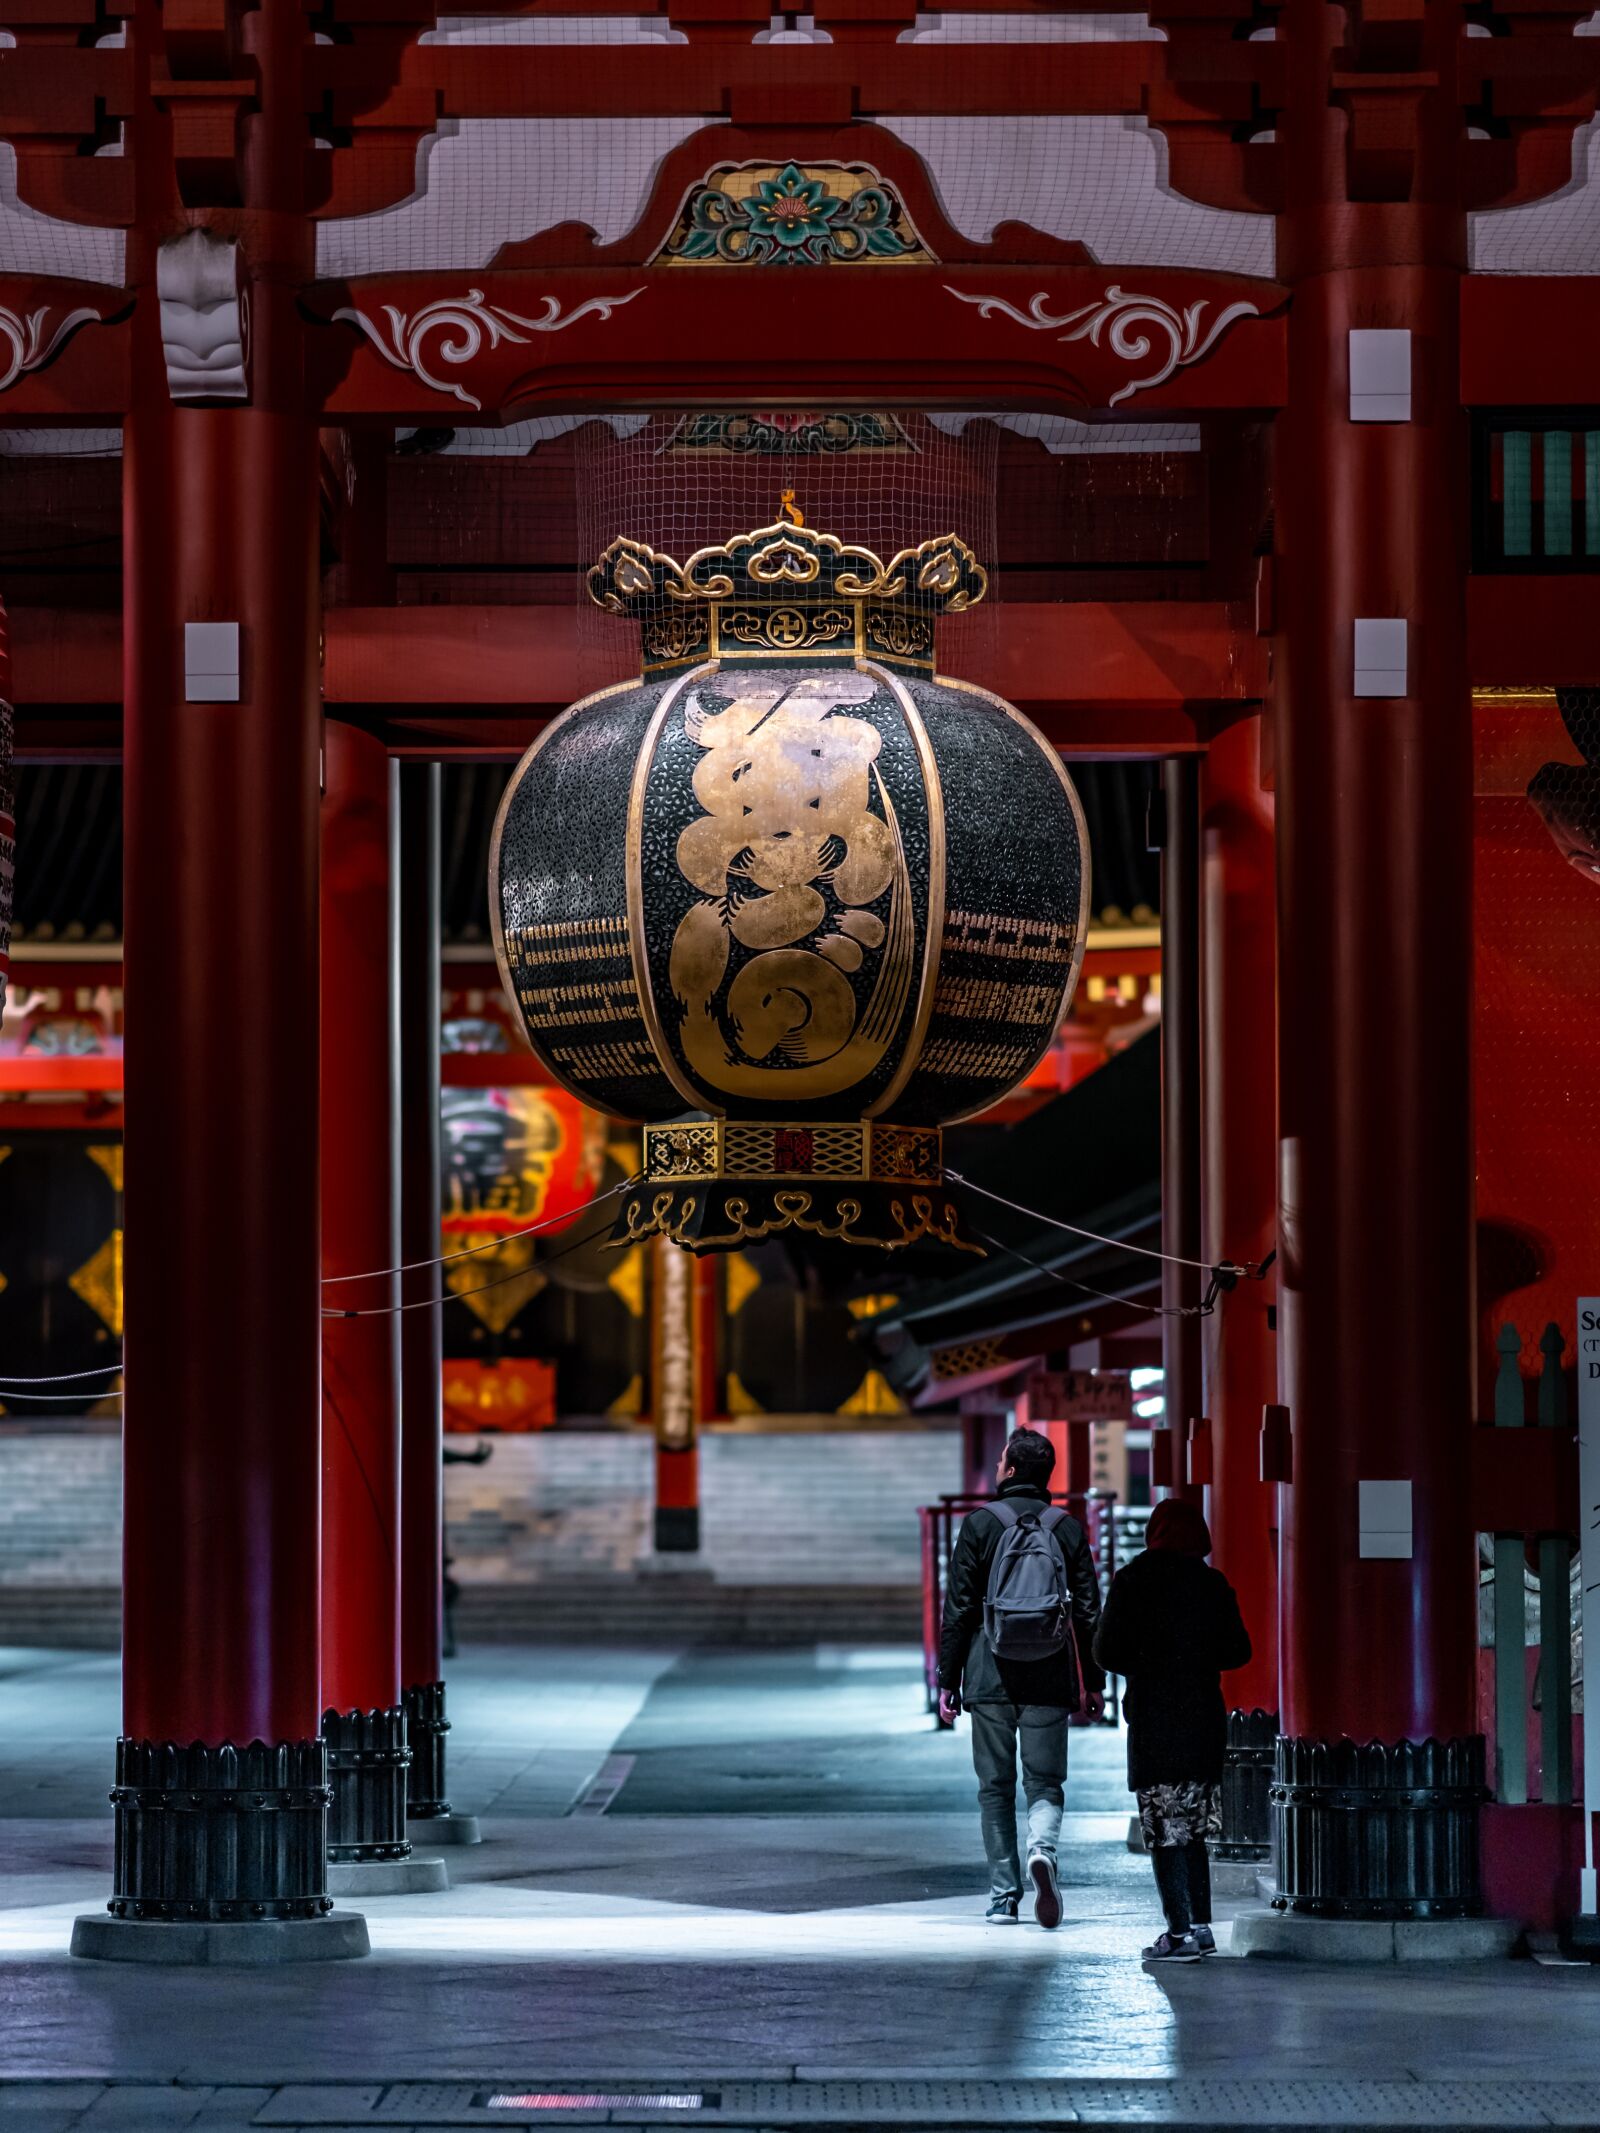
[(1529, 1582)]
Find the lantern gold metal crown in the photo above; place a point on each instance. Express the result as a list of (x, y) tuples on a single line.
[(789, 899)]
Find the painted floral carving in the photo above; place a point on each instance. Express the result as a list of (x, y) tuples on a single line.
[(460, 327), (788, 433), (28, 343), (1132, 328), (791, 215)]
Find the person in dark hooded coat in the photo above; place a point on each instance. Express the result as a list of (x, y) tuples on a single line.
[(1171, 1629)]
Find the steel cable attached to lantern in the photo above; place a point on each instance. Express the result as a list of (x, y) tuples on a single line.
[(1224, 1272), (458, 1295), (490, 1244), (1134, 1303), (66, 1377)]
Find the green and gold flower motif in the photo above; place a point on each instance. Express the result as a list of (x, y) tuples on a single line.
[(792, 209), (789, 215)]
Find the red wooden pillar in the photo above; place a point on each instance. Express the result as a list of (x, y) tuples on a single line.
[(222, 1411), (221, 1433), (364, 1720), (422, 1323), (683, 1307), (1374, 909), (1181, 1285), (1239, 1104)]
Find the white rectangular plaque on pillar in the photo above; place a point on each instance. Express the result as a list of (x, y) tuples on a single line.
[(1379, 653), (1589, 1542), (1385, 1519), (211, 662), (1380, 374)]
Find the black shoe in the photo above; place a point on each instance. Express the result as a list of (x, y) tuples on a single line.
[(1173, 1948), (1002, 1911), (1046, 1889), (1204, 1940)]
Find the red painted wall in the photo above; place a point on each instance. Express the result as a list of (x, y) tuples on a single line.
[(1536, 1039)]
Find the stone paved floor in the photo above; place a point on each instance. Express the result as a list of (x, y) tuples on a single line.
[(785, 1890)]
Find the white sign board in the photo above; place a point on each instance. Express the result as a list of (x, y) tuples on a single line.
[(1589, 1541)]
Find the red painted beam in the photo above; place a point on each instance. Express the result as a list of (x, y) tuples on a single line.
[(1099, 678), (28, 1071), (747, 82), (1119, 677), (1531, 630), (432, 345), (1528, 340)]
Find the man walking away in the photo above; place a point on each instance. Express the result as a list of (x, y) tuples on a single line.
[(1023, 1603)]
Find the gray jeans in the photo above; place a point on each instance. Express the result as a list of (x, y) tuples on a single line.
[(998, 1729)]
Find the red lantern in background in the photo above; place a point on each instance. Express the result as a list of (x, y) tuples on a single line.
[(513, 1158), (518, 1156)]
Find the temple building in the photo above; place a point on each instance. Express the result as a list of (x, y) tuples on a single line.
[(738, 750)]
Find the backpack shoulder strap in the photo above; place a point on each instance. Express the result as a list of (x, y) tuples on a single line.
[(1007, 1513), (1054, 1518)]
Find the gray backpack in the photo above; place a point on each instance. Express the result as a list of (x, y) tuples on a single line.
[(1027, 1611)]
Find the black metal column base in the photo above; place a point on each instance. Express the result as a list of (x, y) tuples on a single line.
[(427, 1797), (1379, 1830), (369, 1763), (677, 1530), (221, 1835), (1247, 1788)]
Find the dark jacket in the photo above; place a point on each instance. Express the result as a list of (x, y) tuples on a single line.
[(1171, 1628), (965, 1660)]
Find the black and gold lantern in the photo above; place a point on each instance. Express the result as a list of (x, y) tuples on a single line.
[(788, 898)]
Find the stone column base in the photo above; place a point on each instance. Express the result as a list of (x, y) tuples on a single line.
[(429, 1830), (1290, 1936), (337, 1936), (1235, 1877), (388, 1877)]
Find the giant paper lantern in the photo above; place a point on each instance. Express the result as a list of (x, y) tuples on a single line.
[(788, 898)]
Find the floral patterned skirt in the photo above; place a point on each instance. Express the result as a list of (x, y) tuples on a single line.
[(1180, 1814)]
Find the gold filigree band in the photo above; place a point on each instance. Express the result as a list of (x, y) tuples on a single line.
[(706, 1219), (747, 1152)]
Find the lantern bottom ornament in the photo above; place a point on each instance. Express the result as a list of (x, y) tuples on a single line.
[(715, 1185), (791, 899)]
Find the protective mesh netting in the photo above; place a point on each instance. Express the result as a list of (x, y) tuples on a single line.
[(1537, 1036), (31, 243), (482, 183), (877, 479)]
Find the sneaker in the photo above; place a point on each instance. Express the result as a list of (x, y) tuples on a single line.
[(1002, 1911), (1173, 1948), (1046, 1889), (1204, 1940)]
